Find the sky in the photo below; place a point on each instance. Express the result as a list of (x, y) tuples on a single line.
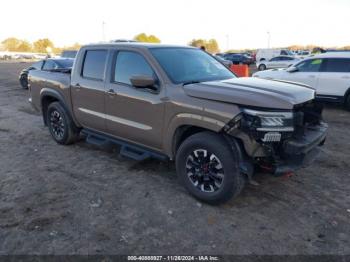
[(234, 24)]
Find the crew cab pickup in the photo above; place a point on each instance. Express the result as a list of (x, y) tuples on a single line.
[(180, 103)]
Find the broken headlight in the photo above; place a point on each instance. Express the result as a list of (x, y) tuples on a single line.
[(268, 126)]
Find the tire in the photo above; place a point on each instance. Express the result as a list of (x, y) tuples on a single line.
[(347, 102), (61, 125), (262, 67), (24, 81), (227, 182)]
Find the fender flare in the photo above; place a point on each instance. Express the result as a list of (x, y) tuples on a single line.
[(186, 119), (347, 93), (48, 92)]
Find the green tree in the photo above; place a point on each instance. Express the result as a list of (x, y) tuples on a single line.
[(41, 45), (147, 39), (210, 45)]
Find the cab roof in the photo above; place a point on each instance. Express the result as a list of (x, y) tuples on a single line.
[(134, 44)]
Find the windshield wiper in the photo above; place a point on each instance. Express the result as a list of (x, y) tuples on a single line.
[(191, 82)]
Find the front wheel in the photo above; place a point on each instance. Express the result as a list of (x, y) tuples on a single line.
[(262, 67), (209, 168)]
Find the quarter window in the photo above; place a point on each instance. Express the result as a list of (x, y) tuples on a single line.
[(129, 64), (340, 65), (94, 64), (311, 65)]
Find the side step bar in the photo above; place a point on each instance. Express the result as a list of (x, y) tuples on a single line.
[(132, 151)]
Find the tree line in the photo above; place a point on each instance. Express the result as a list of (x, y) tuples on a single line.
[(45, 45)]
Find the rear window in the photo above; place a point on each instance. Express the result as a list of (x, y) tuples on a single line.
[(38, 65), (94, 64), (65, 63), (340, 65)]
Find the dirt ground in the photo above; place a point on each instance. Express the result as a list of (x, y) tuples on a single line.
[(81, 199)]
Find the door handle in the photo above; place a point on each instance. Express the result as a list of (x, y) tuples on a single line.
[(77, 86), (111, 92), (311, 76)]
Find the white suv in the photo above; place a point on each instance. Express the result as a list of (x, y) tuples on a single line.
[(328, 73)]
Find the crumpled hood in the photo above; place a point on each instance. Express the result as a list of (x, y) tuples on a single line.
[(274, 94)]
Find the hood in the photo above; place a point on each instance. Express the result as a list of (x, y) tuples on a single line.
[(252, 91)]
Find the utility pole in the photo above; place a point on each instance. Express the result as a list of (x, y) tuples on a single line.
[(268, 39), (103, 31), (227, 42)]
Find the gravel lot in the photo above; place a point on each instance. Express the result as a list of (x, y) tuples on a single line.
[(81, 199)]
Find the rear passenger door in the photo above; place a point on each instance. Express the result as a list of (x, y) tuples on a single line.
[(134, 114), (334, 78), (88, 89)]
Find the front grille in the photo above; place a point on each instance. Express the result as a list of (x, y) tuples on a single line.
[(306, 115)]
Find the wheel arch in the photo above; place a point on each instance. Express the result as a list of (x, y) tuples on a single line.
[(346, 102), (48, 96), (347, 93)]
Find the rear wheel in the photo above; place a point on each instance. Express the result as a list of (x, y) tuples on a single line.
[(24, 81), (61, 125), (262, 67), (209, 168)]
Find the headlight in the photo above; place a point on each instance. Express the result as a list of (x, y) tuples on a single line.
[(266, 121)]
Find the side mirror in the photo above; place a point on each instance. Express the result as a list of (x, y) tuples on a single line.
[(142, 81), (292, 69)]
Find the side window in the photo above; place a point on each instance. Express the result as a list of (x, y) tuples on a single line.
[(340, 65), (49, 65), (311, 65), (275, 59), (129, 64), (94, 64)]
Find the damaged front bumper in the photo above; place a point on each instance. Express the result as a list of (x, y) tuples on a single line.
[(300, 151)]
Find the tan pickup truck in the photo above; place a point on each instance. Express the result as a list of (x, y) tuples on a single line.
[(180, 103)]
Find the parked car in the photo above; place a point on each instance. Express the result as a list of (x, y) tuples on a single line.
[(328, 74), (269, 53), (277, 62), (239, 58), (301, 54), (69, 53), (47, 65), (222, 60), (179, 103)]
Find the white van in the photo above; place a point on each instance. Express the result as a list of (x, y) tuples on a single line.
[(268, 53)]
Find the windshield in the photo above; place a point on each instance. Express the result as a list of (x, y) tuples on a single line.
[(186, 65), (65, 63)]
